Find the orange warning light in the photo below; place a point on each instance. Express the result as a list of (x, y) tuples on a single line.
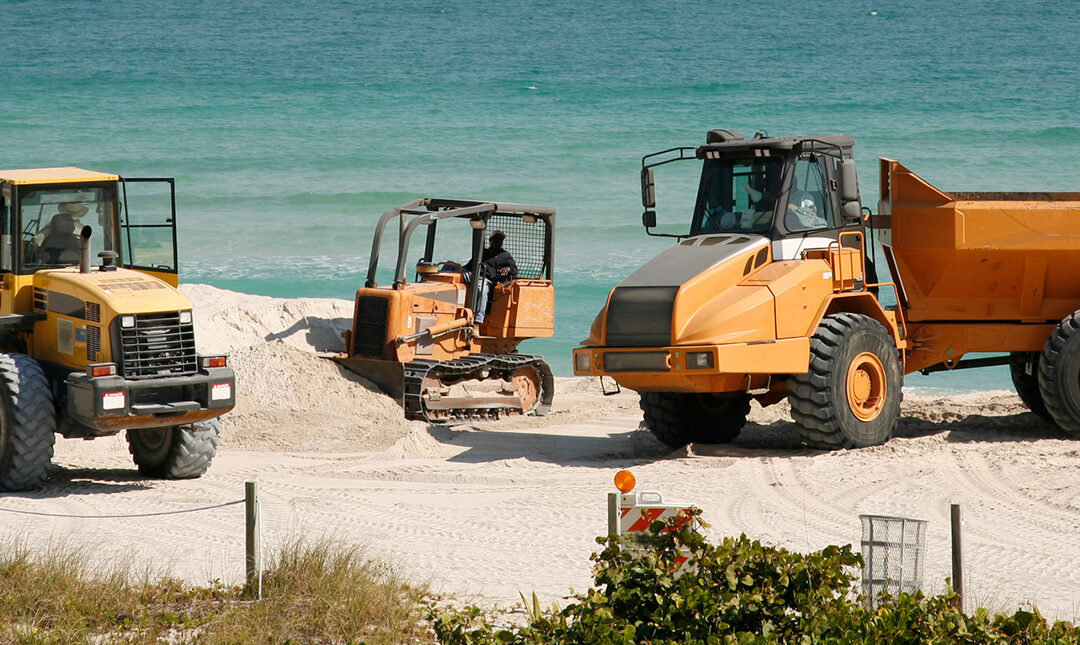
[(624, 481)]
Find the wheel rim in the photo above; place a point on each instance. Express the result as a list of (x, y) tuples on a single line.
[(526, 384), (866, 386), (153, 439), (715, 404)]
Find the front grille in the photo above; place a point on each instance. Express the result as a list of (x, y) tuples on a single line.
[(370, 335), (158, 345), (640, 316)]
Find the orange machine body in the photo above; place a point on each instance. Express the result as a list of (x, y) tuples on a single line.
[(520, 309), (757, 328)]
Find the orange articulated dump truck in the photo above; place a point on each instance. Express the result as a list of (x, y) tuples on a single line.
[(770, 293)]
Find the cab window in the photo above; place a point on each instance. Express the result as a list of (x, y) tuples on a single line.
[(52, 218), (809, 207), (736, 196), (147, 227)]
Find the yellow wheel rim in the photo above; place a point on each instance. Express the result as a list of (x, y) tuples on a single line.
[(866, 385)]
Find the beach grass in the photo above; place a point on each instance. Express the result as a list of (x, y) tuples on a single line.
[(313, 592)]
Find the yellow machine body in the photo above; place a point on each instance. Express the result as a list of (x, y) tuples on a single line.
[(771, 293), (62, 338)]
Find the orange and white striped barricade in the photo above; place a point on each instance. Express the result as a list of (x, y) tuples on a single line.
[(634, 512)]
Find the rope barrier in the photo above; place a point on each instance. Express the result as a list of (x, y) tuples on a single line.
[(178, 512), (253, 530)]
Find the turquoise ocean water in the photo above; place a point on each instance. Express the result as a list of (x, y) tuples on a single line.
[(291, 126)]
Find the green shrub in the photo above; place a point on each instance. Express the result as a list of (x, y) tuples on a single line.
[(739, 592)]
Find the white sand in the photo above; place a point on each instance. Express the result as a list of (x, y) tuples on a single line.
[(494, 509)]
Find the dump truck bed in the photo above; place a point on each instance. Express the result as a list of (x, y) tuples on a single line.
[(980, 256)]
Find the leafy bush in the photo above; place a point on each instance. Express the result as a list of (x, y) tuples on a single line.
[(739, 592)]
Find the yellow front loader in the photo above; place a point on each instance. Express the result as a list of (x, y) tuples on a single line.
[(94, 336)]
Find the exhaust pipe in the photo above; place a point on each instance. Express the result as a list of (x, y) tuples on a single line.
[(84, 249)]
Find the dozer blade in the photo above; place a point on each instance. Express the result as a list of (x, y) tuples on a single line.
[(388, 375)]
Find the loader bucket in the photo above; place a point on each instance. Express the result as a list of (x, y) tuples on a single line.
[(389, 376)]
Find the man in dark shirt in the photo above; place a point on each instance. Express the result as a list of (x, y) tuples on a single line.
[(497, 261), (497, 266)]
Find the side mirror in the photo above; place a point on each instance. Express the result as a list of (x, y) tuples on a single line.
[(648, 219), (648, 188), (849, 182), (851, 211)]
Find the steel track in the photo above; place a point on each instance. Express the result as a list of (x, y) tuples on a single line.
[(471, 368)]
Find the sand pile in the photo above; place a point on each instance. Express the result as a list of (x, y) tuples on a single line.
[(287, 397), (226, 321)]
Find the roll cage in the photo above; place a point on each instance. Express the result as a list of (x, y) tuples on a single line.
[(529, 229)]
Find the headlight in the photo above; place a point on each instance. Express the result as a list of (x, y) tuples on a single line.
[(185, 317), (583, 362), (699, 360), (127, 321)]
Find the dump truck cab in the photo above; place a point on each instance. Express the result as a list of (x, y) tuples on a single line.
[(784, 189), (90, 316)]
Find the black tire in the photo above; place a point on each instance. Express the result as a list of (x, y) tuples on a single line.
[(1059, 375), (175, 452), (27, 423), (1027, 385), (677, 419), (851, 395)]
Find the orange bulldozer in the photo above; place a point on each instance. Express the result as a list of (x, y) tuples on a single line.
[(445, 343)]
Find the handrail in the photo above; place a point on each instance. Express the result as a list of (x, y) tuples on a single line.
[(376, 243)]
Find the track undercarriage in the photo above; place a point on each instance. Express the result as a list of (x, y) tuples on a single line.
[(476, 387), (470, 388)]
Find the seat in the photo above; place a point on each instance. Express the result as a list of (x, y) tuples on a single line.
[(60, 246)]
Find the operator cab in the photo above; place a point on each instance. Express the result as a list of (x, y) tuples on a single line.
[(797, 191), (43, 212)]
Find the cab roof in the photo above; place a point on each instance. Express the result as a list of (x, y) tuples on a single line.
[(60, 175), (725, 140)]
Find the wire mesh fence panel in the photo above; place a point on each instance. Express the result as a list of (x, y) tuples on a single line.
[(526, 241), (894, 555)]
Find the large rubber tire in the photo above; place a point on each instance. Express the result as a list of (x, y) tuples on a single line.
[(176, 452), (27, 423), (677, 419), (851, 395), (1059, 374), (1027, 385)]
